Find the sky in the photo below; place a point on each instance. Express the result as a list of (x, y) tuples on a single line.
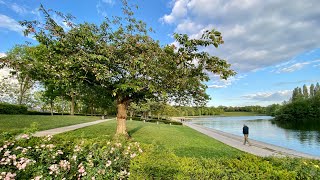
[(273, 45)]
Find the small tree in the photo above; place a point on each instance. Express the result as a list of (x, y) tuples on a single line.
[(305, 92), (19, 59)]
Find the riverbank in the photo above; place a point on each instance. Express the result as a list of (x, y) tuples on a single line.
[(257, 148)]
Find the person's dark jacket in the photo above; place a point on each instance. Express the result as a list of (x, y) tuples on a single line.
[(245, 130)]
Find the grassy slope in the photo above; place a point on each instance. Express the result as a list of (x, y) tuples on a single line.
[(182, 140), (17, 123)]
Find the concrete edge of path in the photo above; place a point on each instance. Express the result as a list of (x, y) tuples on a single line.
[(257, 148), (68, 128)]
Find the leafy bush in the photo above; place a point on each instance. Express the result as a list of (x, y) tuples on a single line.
[(49, 113), (159, 164), (12, 109), (164, 121), (35, 158)]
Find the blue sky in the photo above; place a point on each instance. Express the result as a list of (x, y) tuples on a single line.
[(273, 45)]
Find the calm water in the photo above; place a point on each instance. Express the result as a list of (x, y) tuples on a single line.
[(262, 128)]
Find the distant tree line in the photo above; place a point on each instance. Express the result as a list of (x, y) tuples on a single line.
[(304, 106), (151, 109)]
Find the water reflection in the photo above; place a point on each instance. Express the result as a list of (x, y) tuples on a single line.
[(300, 137)]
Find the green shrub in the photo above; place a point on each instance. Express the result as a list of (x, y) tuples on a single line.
[(34, 158), (164, 121), (55, 113), (155, 165), (159, 164), (12, 109)]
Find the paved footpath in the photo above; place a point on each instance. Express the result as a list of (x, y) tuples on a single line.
[(67, 128), (257, 148)]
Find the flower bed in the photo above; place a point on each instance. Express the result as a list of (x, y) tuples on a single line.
[(42, 158)]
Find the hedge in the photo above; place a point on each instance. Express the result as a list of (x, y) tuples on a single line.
[(12, 109), (164, 121), (162, 164)]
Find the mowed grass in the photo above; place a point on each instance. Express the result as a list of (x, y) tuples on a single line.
[(17, 123), (182, 140)]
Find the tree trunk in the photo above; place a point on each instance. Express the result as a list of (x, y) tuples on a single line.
[(20, 94), (62, 104), (51, 107), (91, 109), (72, 104), (121, 118), (131, 114)]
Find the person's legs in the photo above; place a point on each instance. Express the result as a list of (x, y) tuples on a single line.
[(246, 139)]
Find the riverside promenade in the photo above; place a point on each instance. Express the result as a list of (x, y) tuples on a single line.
[(257, 148)]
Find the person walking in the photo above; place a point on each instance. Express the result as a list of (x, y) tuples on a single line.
[(245, 131)]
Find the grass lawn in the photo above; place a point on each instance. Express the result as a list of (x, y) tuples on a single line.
[(17, 123), (183, 141)]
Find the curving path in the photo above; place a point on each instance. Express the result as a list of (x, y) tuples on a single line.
[(67, 128), (257, 148)]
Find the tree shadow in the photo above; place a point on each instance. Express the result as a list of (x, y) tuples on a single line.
[(132, 131)]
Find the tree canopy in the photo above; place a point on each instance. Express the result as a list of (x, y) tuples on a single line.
[(120, 57)]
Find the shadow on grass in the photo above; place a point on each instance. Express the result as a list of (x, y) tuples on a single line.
[(132, 131)]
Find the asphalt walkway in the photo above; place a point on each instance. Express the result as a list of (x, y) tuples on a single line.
[(68, 128), (257, 148)]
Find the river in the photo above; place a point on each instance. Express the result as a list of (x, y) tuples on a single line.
[(262, 128)]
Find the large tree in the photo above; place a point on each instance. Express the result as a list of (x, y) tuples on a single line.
[(122, 58)]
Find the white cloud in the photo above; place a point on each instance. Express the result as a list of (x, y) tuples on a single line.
[(291, 66), (257, 34), (188, 27), (18, 9), (2, 55), (102, 5), (179, 10), (221, 83), (217, 86), (294, 67), (278, 96), (111, 2), (308, 81), (10, 24)]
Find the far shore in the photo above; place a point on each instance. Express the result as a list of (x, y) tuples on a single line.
[(225, 114)]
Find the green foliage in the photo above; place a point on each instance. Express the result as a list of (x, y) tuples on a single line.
[(161, 164), (302, 108), (12, 109), (31, 158), (161, 110), (273, 109), (19, 59), (122, 59), (163, 121)]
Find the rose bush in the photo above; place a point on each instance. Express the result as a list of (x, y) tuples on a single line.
[(43, 158)]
